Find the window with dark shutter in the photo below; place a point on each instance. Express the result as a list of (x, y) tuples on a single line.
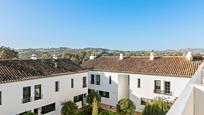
[(57, 86), (138, 83), (110, 80), (72, 83), (98, 79), (84, 82), (92, 79)]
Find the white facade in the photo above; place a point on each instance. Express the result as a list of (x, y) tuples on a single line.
[(12, 93), (126, 85)]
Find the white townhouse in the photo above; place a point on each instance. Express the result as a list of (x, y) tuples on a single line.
[(140, 78), (40, 85)]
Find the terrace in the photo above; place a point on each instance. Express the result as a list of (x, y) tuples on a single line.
[(191, 100)]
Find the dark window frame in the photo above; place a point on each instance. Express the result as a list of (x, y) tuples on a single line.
[(110, 79), (104, 94), (0, 98), (57, 86), (138, 83), (92, 79), (38, 96), (72, 83), (26, 97), (48, 108), (84, 81), (167, 87), (78, 98), (98, 79), (157, 86)]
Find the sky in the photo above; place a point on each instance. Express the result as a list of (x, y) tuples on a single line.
[(113, 24)]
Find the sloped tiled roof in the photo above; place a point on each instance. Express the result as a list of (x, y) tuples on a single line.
[(177, 66), (17, 70)]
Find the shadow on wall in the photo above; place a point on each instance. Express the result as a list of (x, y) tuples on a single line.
[(116, 90)]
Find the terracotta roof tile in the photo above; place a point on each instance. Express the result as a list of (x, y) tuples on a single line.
[(166, 66), (15, 70)]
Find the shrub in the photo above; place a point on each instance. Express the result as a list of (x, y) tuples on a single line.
[(158, 106), (29, 113), (126, 106)]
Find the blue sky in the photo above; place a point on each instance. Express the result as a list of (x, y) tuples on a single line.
[(115, 24)]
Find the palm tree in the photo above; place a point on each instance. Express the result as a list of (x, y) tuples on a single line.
[(69, 108)]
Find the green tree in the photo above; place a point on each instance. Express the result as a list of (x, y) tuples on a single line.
[(94, 107), (158, 106), (29, 113), (45, 55), (91, 95), (69, 108), (8, 53), (126, 106)]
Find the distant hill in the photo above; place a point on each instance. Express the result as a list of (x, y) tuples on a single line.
[(81, 55)]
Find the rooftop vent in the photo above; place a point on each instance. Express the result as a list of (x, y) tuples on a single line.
[(34, 57), (121, 56), (189, 56), (151, 57), (92, 57)]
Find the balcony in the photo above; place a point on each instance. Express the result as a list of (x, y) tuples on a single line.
[(26, 100), (38, 97), (158, 91)]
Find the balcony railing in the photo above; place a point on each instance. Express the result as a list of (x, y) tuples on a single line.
[(158, 91), (170, 93), (164, 92), (38, 97), (29, 99), (26, 100)]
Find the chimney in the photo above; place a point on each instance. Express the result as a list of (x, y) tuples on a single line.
[(54, 57), (34, 57), (151, 57), (189, 56), (121, 56), (55, 60), (92, 57)]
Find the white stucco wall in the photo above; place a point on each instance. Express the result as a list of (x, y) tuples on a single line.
[(12, 93), (135, 93), (123, 86), (198, 100), (147, 87), (105, 86)]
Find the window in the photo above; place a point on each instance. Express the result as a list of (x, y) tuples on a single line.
[(138, 83), (145, 101), (78, 98), (92, 79), (110, 80), (26, 94), (0, 98), (90, 90), (157, 86), (38, 94), (48, 108), (57, 86), (84, 82), (104, 94), (72, 83), (98, 79), (167, 87)]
